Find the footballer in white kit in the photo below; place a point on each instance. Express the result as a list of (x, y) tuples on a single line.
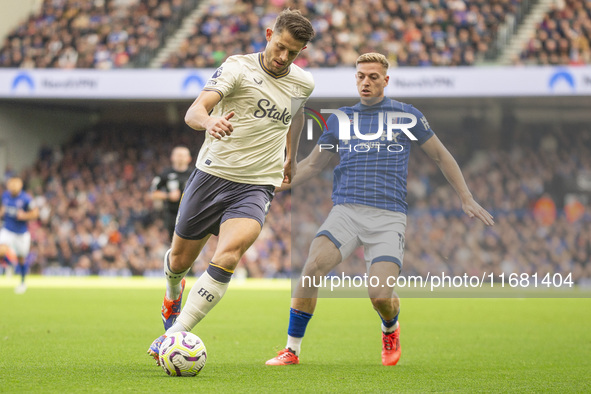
[(250, 122), (261, 102)]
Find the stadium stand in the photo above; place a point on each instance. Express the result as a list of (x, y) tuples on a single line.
[(127, 33), (563, 37), (515, 183), (410, 33), (100, 34), (97, 217)]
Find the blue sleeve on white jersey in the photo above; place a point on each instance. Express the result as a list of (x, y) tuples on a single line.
[(329, 136), (422, 130)]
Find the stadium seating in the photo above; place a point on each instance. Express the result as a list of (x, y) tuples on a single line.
[(101, 34), (410, 33), (509, 181), (563, 37), (128, 33), (96, 213), (97, 217)]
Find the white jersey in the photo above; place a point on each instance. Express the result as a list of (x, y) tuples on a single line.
[(262, 102)]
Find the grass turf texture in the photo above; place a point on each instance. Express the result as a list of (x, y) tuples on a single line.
[(80, 335)]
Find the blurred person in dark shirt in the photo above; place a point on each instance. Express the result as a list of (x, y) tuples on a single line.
[(168, 186)]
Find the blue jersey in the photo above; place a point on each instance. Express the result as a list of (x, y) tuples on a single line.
[(373, 172), (12, 204)]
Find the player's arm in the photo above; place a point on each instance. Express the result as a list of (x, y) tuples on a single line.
[(198, 118), (309, 167), (292, 144), (159, 195), (163, 195), (31, 214), (450, 169), (157, 191)]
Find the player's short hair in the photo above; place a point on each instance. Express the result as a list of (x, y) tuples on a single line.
[(373, 57), (296, 24), (181, 147)]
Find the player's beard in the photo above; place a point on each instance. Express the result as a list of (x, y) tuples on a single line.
[(271, 65), (279, 69)]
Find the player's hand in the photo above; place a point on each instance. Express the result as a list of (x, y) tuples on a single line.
[(473, 209), (284, 186), (289, 170), (220, 127), (21, 215), (174, 195)]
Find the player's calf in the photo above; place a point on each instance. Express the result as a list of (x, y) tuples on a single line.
[(205, 294)]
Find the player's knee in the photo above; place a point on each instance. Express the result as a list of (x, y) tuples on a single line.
[(314, 267), (227, 258), (179, 260)]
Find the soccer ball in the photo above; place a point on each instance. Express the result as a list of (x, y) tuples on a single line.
[(182, 354)]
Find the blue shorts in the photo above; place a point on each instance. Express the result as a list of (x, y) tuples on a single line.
[(208, 201)]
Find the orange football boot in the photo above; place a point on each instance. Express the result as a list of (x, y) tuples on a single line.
[(171, 309), (284, 357), (391, 347)]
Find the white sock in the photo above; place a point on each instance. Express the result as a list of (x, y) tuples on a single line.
[(173, 279), (204, 295), (176, 327), (294, 344), (389, 330)]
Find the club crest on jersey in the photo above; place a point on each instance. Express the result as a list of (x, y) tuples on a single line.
[(268, 110), (217, 72)]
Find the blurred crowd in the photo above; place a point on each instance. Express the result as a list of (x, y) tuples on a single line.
[(410, 33), (543, 219), (562, 37), (97, 217), (127, 33), (102, 34)]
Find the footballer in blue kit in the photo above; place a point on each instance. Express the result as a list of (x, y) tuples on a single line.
[(373, 140), (373, 172), (16, 210)]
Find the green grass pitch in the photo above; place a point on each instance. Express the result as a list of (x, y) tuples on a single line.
[(72, 335)]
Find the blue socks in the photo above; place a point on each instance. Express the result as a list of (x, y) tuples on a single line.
[(219, 273), (298, 321), (389, 326), (22, 270), (390, 323)]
